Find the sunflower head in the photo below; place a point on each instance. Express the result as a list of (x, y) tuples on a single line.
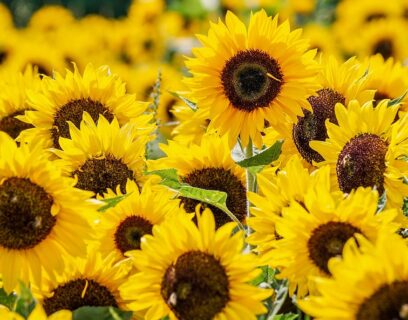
[(210, 166), (65, 99), (41, 211), (246, 75), (103, 156), (194, 280), (377, 289), (365, 149)]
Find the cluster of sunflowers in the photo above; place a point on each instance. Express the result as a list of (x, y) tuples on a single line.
[(268, 180)]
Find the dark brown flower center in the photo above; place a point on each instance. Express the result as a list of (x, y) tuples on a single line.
[(385, 47), (73, 111), (169, 105), (196, 286), (378, 96), (312, 125), (3, 56), (25, 214), (251, 79), (98, 175), (361, 163), (79, 293), (221, 180), (130, 231), (327, 241), (13, 126), (375, 16), (389, 302)]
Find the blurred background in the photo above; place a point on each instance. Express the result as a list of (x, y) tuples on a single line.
[(143, 40)]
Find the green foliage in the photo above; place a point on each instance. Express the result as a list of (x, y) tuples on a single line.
[(215, 198), (112, 202), (190, 9), (101, 313), (7, 300), (189, 103), (287, 316), (382, 202), (25, 302), (397, 100), (263, 158), (405, 207)]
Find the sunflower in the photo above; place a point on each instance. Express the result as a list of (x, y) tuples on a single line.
[(13, 96), (208, 165), (277, 189), (192, 124), (340, 82), (315, 231), (103, 156), (376, 290), (122, 227), (64, 99), (38, 313), (196, 273), (50, 17), (246, 76), (42, 213), (386, 37), (393, 86), (321, 38), (366, 148), (93, 281)]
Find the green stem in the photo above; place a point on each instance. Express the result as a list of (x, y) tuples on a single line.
[(251, 179)]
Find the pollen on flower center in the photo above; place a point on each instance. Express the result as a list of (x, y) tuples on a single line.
[(361, 163), (98, 175), (78, 293), (251, 79), (327, 241), (389, 302), (222, 180), (196, 286), (13, 126), (312, 125), (25, 214), (130, 231), (73, 111)]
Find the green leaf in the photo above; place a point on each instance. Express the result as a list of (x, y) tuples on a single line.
[(398, 100), (382, 202), (169, 177), (263, 158), (25, 302), (112, 202), (7, 300), (286, 316), (101, 313), (215, 198), (281, 292), (405, 207), (189, 103)]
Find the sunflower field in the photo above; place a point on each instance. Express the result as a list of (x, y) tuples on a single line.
[(204, 159)]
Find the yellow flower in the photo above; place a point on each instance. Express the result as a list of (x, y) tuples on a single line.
[(245, 76), (93, 282), (104, 156), (315, 231), (340, 82), (370, 282), (366, 148), (51, 17), (13, 95), (44, 218), (38, 313), (277, 189), (65, 99), (122, 227), (208, 165), (194, 273)]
